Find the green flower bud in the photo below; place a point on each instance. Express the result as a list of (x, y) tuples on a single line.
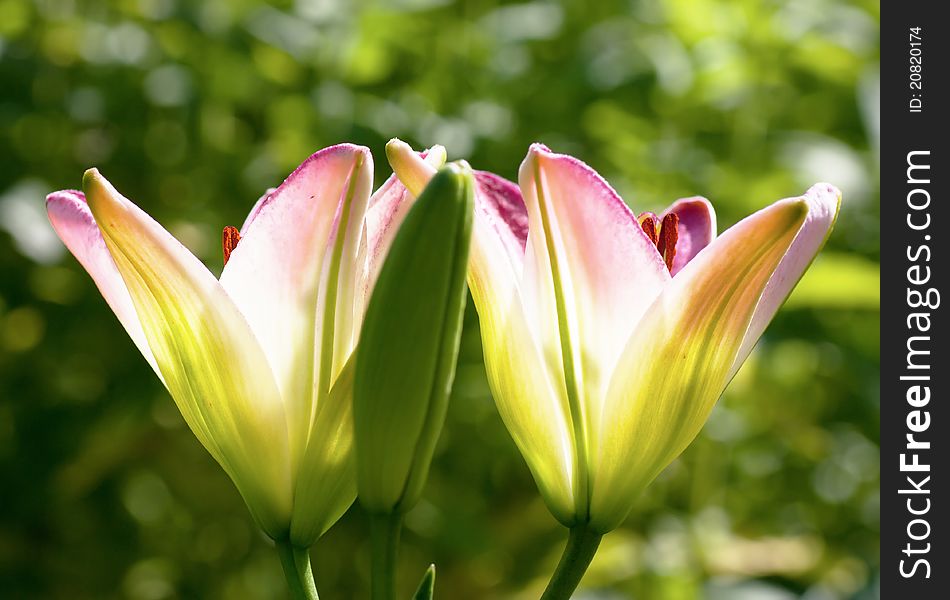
[(405, 361)]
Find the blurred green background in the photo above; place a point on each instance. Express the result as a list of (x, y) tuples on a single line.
[(192, 109)]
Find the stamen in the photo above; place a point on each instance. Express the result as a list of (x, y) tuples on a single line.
[(229, 241), (666, 243), (649, 225), (663, 235)]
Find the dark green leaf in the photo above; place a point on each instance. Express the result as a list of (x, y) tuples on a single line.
[(426, 586)]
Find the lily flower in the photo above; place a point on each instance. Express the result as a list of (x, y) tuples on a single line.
[(257, 361), (608, 338)]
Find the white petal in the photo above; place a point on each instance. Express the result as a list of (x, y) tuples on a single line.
[(207, 354), (284, 267), (676, 364), (823, 202), (75, 225)]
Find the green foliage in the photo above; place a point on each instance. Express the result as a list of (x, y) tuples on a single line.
[(426, 586), (193, 109)]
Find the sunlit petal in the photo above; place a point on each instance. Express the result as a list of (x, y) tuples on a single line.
[(696, 228), (256, 209), (75, 225), (275, 273), (326, 482), (590, 273), (210, 360), (585, 241), (678, 361), (530, 400), (388, 207), (823, 202), (498, 202)]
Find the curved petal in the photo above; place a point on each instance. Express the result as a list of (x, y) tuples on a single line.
[(338, 321), (824, 201), (501, 206), (75, 225), (415, 168), (497, 200), (532, 405), (390, 204), (585, 241), (280, 271), (697, 228), (212, 364), (678, 360), (387, 209), (255, 210), (590, 273), (326, 481)]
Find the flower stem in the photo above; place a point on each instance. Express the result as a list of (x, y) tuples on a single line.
[(296, 564), (384, 535), (582, 544)]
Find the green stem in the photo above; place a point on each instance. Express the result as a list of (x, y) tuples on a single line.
[(581, 547), (384, 534), (296, 564)]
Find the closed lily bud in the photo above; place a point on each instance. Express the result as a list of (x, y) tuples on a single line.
[(405, 361)]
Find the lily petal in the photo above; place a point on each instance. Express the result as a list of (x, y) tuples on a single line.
[(285, 258), (498, 200), (678, 361), (387, 208), (341, 279), (582, 233), (255, 210), (590, 273), (389, 205), (502, 207), (326, 480), (530, 401), (210, 360), (415, 169), (824, 201), (697, 228), (75, 225)]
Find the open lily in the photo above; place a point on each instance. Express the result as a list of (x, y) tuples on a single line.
[(257, 361), (609, 337)]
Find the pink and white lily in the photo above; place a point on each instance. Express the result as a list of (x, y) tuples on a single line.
[(608, 338), (257, 361)]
